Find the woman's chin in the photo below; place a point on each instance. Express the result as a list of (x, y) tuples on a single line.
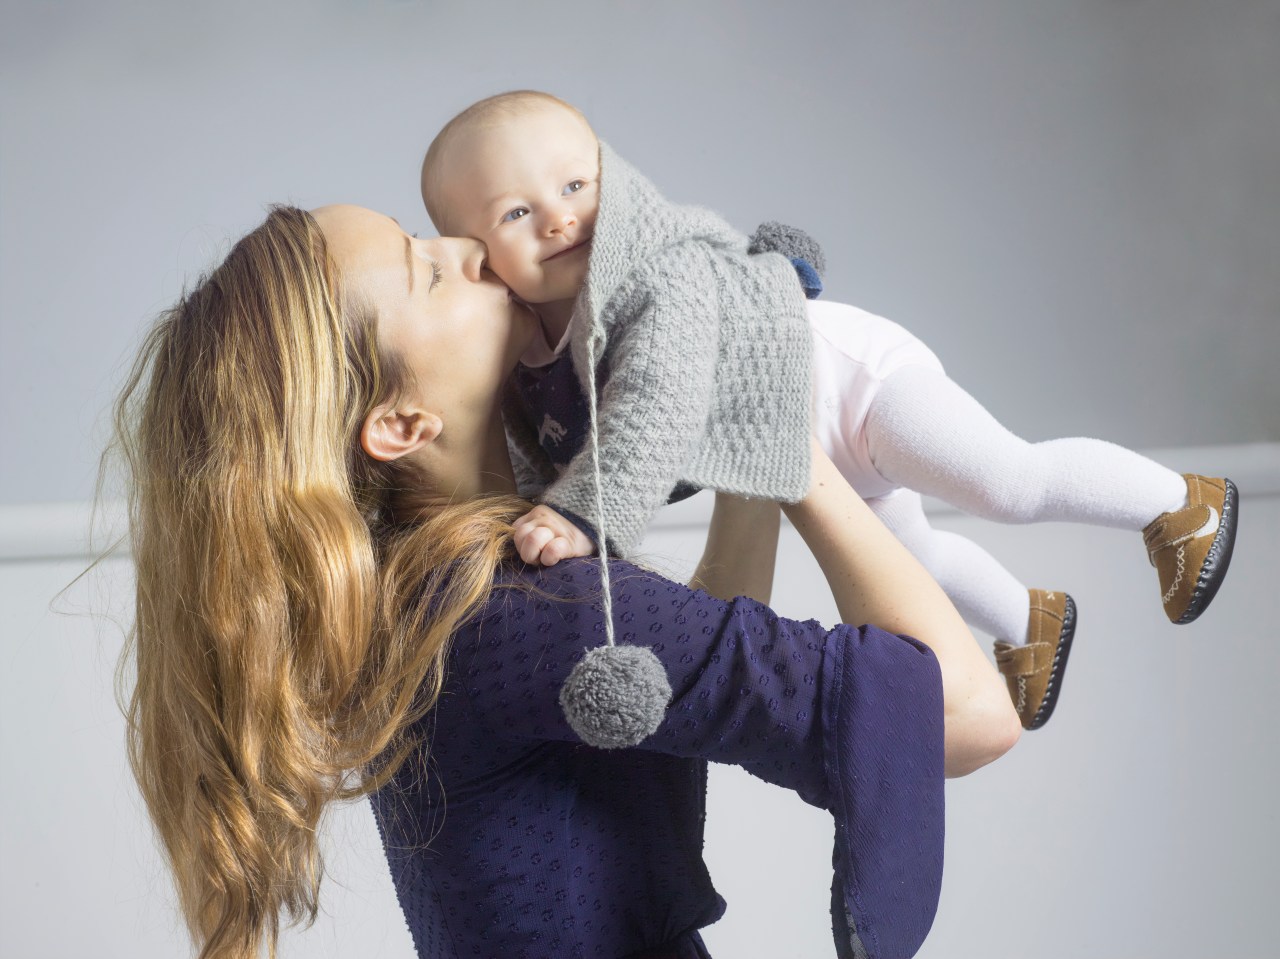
[(524, 319), (524, 326)]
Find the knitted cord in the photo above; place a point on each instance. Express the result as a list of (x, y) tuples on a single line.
[(601, 532)]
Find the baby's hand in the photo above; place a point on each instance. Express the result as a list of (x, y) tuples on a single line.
[(544, 536)]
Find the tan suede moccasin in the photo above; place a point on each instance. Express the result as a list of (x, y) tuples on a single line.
[(1034, 672), (1191, 547)]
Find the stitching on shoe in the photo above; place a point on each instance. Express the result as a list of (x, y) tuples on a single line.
[(1207, 528), (1211, 574), (1182, 568), (1050, 696)]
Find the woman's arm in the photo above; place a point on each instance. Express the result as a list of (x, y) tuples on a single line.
[(875, 580), (741, 550), (850, 718)]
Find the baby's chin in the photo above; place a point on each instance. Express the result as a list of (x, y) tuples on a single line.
[(550, 295)]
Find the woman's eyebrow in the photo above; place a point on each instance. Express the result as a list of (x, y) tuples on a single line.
[(408, 260)]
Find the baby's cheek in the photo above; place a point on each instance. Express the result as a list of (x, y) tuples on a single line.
[(511, 269), (527, 288)]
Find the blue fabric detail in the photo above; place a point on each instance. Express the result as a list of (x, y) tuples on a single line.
[(809, 279)]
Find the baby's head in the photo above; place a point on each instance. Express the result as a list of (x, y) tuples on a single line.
[(520, 172)]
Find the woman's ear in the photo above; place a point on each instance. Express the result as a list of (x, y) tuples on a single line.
[(389, 433)]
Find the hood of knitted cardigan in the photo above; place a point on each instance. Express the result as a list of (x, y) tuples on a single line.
[(635, 222)]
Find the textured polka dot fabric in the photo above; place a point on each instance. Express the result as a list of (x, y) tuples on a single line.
[(507, 837)]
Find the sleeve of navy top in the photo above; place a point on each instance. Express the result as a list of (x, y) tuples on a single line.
[(849, 718)]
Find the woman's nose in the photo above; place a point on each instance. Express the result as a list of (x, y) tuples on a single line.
[(472, 256)]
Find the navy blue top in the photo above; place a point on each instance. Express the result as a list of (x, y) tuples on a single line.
[(508, 837)]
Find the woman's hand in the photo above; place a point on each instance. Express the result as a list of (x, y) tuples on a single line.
[(544, 537)]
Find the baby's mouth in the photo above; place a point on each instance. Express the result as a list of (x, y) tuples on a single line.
[(570, 249)]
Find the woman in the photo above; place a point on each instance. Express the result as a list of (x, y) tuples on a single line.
[(328, 606)]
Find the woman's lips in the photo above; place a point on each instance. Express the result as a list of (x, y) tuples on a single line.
[(569, 249)]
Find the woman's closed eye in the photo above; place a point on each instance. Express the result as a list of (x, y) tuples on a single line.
[(437, 274)]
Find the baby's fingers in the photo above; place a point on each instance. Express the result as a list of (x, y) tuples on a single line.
[(527, 518), (558, 549), (530, 540)]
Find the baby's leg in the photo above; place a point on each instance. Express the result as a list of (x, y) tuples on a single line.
[(925, 433), (986, 594)]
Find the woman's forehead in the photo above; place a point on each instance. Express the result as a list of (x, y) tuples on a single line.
[(363, 243), (348, 227)]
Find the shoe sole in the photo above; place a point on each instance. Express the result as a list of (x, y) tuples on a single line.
[(1059, 667), (1214, 568)]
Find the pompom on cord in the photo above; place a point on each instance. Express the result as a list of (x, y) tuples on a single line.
[(617, 695)]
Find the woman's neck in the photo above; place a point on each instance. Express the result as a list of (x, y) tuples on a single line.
[(465, 463), (495, 474)]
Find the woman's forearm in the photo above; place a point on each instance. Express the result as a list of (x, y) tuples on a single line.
[(876, 580), (741, 550)]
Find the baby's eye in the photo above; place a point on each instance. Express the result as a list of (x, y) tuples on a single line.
[(573, 186), (515, 214)]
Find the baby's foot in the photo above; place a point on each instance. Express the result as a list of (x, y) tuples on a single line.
[(1191, 547), (1034, 671)]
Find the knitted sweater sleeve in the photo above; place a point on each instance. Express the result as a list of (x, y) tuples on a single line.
[(849, 718), (658, 374)]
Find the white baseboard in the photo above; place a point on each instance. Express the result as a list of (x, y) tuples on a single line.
[(54, 531)]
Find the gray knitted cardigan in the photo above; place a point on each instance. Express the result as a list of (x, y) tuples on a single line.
[(703, 365)]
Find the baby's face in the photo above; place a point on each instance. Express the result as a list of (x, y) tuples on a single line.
[(528, 188)]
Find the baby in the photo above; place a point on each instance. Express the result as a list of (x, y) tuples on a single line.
[(711, 370)]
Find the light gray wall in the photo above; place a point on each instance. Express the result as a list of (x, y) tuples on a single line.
[(1138, 823), (1073, 203)]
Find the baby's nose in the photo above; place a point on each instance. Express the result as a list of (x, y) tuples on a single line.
[(562, 220)]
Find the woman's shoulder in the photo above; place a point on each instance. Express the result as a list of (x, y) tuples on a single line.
[(561, 608), (519, 587)]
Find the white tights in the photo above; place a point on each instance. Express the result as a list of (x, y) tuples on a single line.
[(929, 436)]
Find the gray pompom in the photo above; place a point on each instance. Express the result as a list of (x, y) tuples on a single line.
[(791, 241), (616, 696)]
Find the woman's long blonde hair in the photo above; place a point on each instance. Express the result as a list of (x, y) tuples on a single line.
[(293, 610)]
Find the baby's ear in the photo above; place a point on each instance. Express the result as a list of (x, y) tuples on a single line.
[(389, 433)]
